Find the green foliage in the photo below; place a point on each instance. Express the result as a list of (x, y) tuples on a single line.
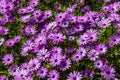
[(113, 55)]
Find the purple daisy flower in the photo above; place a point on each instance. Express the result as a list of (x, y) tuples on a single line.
[(78, 27), (58, 37), (57, 6), (28, 30), (65, 23), (24, 51), (53, 75), (101, 48), (92, 35), (60, 16), (41, 39), (70, 50), (56, 50), (7, 59), (28, 78), (17, 78), (93, 55), (77, 57), (82, 19), (81, 52), (114, 17), (17, 38), (105, 8), (24, 66), (71, 38), (34, 64), (51, 26), (74, 76), (42, 72), (72, 19), (29, 9), (10, 43), (55, 59), (22, 11), (37, 13), (108, 72), (85, 9), (3, 30), (43, 54), (99, 64), (13, 69), (3, 77), (65, 64), (83, 39), (33, 3), (20, 73), (25, 18), (89, 73), (47, 14), (114, 40), (104, 23), (28, 45), (10, 6)]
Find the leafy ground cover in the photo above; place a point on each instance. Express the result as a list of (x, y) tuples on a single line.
[(59, 40)]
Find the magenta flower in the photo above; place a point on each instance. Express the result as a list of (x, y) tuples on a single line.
[(7, 59), (34, 64), (56, 59), (3, 77), (108, 72), (74, 76), (65, 64), (42, 72), (53, 75)]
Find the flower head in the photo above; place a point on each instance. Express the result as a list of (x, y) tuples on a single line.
[(74, 76), (7, 59), (53, 75)]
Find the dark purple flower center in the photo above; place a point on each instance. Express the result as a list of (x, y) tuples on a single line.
[(56, 51), (91, 37), (25, 68), (77, 56), (78, 27), (56, 60), (83, 40), (21, 75), (53, 76), (43, 55), (57, 37), (8, 59), (3, 79), (101, 49), (21, 10), (81, 52), (14, 70), (74, 78), (107, 71), (114, 40), (98, 63), (10, 43), (34, 65), (37, 13), (41, 72), (63, 64), (60, 17)]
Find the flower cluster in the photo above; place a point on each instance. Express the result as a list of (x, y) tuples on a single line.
[(58, 44)]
